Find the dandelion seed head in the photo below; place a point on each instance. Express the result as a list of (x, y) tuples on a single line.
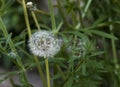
[(81, 45), (12, 54), (31, 6), (44, 44), (79, 50)]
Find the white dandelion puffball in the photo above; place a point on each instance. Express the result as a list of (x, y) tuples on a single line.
[(44, 44)]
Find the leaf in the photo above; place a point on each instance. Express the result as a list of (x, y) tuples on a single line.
[(19, 43), (8, 38), (77, 33), (59, 26), (93, 64), (45, 26), (8, 4), (69, 82), (7, 75), (26, 53), (83, 68), (57, 76), (97, 53), (4, 6), (73, 59), (103, 34), (98, 21)]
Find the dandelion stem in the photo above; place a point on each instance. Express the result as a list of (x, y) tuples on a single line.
[(80, 15), (105, 48), (35, 19), (47, 71), (52, 15), (113, 47), (29, 33), (86, 8), (62, 13), (26, 17), (114, 53), (60, 70), (40, 71)]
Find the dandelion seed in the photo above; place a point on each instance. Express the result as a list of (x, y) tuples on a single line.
[(44, 44)]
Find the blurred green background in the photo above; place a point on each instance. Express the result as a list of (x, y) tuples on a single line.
[(100, 15)]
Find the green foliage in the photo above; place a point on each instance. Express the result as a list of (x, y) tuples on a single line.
[(89, 30)]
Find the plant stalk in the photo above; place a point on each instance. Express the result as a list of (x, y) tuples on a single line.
[(40, 71), (29, 34), (113, 47), (26, 18), (86, 8), (80, 15), (52, 15), (35, 19), (47, 71), (62, 13)]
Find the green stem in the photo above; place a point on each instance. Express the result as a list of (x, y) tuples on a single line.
[(86, 8), (52, 15), (35, 19), (80, 15), (42, 12), (73, 19), (113, 47), (60, 70), (114, 53), (47, 71), (40, 71), (26, 17), (105, 48), (62, 13), (6, 34), (29, 33), (12, 82)]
